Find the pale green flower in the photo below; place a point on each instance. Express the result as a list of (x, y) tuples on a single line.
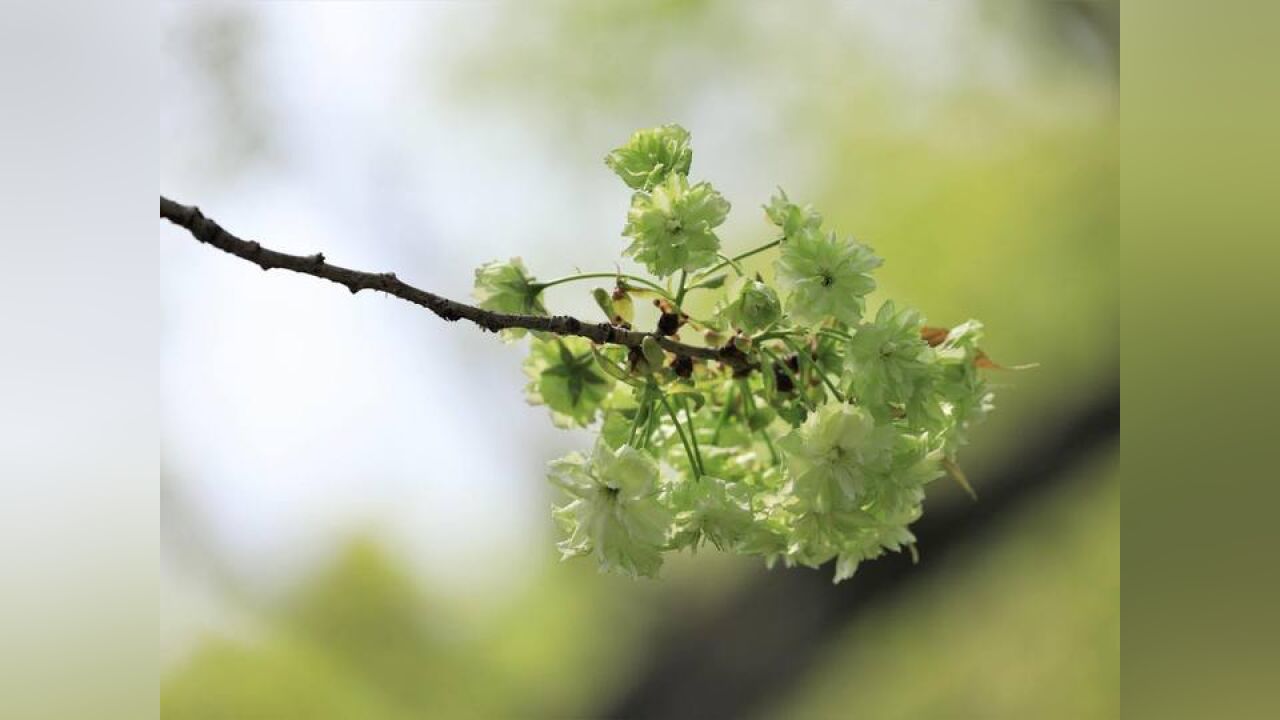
[(873, 536), (651, 155), (831, 455), (889, 501), (888, 362), (826, 277), (671, 226), (773, 514), (711, 509), (965, 397), (507, 287), (564, 376), (614, 512), (754, 307)]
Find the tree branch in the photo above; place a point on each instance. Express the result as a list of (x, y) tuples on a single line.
[(209, 232)]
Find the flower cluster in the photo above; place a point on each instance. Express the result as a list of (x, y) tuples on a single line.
[(671, 222), (813, 437)]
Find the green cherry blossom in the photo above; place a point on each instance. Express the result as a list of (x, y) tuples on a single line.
[(671, 226), (825, 276), (651, 155), (888, 362), (831, 455), (713, 510), (614, 512), (795, 429)]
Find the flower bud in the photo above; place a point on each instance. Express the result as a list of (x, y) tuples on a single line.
[(755, 306)]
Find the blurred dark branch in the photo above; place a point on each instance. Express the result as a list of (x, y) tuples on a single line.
[(209, 232), (754, 648)]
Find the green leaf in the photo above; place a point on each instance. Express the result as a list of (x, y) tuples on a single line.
[(605, 302), (564, 376), (714, 282)]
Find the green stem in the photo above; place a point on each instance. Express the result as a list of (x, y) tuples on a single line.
[(680, 291), (804, 358), (724, 415), (834, 334), (778, 334), (732, 263), (773, 454), (635, 422), (693, 433), (650, 426), (588, 276), (688, 451), (783, 365), (795, 381), (736, 258), (749, 402)]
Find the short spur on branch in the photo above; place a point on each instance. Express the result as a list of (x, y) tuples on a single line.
[(790, 422)]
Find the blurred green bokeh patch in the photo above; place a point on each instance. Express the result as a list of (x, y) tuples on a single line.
[(1024, 625)]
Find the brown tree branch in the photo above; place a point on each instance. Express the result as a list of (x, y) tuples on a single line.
[(209, 232)]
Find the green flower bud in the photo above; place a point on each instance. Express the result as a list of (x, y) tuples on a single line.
[(755, 306), (605, 302)]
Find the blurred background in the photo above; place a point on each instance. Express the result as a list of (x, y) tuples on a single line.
[(355, 518)]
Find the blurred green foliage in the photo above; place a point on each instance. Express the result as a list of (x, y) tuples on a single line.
[(1022, 626), (362, 639)]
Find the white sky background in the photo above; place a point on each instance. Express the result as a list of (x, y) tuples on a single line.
[(294, 414)]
